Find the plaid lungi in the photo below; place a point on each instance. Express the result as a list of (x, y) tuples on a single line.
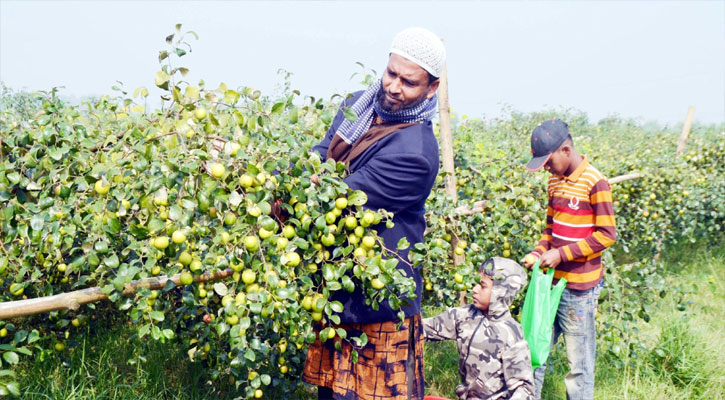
[(381, 372)]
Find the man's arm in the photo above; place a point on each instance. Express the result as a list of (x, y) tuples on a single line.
[(605, 232), (517, 372), (441, 327), (393, 181)]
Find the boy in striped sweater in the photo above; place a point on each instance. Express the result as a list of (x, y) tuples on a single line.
[(579, 226)]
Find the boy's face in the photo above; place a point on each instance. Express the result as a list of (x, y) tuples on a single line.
[(482, 293), (558, 163)]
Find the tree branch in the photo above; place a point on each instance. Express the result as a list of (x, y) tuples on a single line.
[(73, 300)]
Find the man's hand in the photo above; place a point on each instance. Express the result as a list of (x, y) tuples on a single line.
[(550, 258)]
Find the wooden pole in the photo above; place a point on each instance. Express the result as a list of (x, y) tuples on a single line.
[(685, 130), (73, 300), (446, 139)]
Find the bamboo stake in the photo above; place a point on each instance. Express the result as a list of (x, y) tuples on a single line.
[(73, 300), (622, 178), (685, 130), (446, 138)]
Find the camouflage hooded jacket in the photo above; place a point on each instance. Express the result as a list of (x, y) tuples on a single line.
[(495, 362)]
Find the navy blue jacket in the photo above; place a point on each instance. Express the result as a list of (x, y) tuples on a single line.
[(397, 174)]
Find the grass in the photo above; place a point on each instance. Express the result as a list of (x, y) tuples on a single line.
[(109, 365), (685, 356)]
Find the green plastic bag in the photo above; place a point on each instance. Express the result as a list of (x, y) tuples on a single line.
[(540, 306)]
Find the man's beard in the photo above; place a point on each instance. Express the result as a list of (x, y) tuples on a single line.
[(388, 107)]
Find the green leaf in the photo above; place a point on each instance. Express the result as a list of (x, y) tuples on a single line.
[(175, 212), (111, 261), (13, 388), (301, 244), (33, 337), (20, 336), (157, 315), (277, 108), (7, 373), (37, 222), (249, 355), (13, 177), (230, 96), (357, 198), (125, 304), (11, 357), (24, 350), (348, 284), (144, 330), (336, 306), (156, 225), (349, 114), (283, 293), (221, 289), (114, 225)]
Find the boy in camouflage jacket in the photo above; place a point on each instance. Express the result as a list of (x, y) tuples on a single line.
[(495, 362)]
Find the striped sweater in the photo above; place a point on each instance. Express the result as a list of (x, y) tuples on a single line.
[(580, 223)]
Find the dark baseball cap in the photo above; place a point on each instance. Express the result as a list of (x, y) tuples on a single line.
[(545, 139)]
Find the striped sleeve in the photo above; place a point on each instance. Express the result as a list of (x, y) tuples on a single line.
[(605, 232)]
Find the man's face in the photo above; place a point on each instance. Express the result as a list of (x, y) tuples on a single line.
[(482, 293), (405, 85)]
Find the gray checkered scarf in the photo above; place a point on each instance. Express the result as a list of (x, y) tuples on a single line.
[(366, 107)]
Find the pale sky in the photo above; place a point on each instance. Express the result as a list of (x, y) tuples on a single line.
[(649, 60)]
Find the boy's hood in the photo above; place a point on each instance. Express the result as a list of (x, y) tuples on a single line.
[(508, 279)]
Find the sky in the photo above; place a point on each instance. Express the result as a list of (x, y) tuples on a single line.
[(648, 60)]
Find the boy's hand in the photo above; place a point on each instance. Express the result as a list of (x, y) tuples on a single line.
[(550, 258), (529, 260)]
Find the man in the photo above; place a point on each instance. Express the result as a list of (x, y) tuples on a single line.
[(392, 156)]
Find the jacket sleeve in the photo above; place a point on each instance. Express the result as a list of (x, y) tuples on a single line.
[(605, 232), (441, 327), (517, 372), (393, 181)]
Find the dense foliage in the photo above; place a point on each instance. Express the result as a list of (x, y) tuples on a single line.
[(110, 191)]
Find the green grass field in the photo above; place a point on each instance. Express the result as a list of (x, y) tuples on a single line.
[(685, 358)]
